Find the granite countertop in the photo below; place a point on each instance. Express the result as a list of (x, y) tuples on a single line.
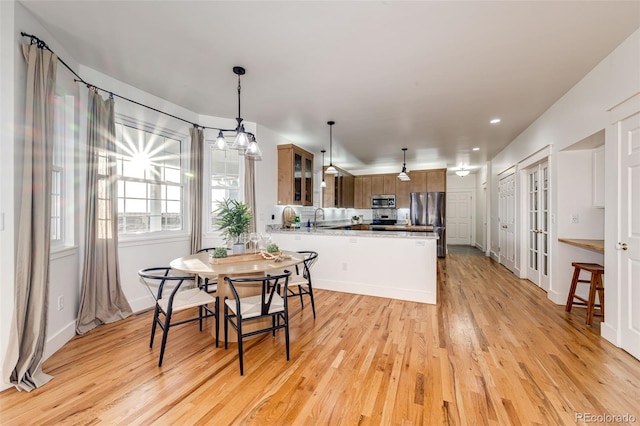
[(351, 233)]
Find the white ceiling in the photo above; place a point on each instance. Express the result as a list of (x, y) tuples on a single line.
[(426, 75)]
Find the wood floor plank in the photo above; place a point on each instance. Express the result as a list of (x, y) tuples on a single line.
[(493, 351)]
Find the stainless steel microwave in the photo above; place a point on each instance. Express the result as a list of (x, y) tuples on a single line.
[(383, 201)]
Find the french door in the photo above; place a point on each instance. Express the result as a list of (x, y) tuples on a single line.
[(507, 221), (538, 225)]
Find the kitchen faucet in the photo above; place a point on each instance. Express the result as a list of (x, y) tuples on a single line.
[(315, 217)]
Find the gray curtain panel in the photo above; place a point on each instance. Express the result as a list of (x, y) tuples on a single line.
[(102, 299), (29, 325), (250, 189), (195, 186)]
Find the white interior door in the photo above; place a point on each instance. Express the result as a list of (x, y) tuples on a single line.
[(459, 217), (506, 221), (538, 225), (629, 243)]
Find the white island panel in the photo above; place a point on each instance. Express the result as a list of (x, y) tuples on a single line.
[(398, 268)]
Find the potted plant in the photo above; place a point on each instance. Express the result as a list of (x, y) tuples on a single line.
[(233, 219)]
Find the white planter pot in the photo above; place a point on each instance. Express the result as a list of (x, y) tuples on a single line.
[(238, 248)]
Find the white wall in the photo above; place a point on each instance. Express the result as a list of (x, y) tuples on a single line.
[(581, 112), (7, 232)]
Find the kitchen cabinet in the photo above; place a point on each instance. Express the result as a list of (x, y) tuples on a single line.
[(437, 180), (339, 191), (418, 183), (362, 192), (295, 176), (598, 177), (383, 184)]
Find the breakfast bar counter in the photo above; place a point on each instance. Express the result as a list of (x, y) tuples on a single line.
[(393, 264)]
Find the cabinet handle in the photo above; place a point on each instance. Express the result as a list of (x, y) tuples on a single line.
[(622, 246)]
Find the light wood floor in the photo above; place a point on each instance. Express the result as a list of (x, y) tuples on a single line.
[(493, 350)]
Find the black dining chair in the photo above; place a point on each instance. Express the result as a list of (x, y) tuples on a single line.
[(174, 292), (267, 303), (300, 283)]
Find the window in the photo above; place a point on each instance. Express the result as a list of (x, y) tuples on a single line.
[(62, 192), (151, 187), (225, 169)]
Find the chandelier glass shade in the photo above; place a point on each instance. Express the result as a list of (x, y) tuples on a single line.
[(331, 170), (245, 142), (403, 176)]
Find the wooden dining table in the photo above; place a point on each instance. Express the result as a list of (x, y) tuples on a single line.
[(200, 264)]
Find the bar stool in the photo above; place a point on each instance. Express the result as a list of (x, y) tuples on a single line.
[(595, 284)]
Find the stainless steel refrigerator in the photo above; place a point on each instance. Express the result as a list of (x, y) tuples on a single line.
[(429, 208)]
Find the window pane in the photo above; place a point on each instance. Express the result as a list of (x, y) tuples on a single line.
[(147, 161)]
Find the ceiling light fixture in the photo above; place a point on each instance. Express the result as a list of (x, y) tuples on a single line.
[(403, 176), (495, 121), (462, 172), (323, 184), (331, 170), (245, 142), (476, 149)]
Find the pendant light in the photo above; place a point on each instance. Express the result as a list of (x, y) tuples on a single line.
[(331, 170), (245, 142), (323, 184), (403, 176)]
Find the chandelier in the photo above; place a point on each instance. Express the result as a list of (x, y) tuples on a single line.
[(403, 176), (462, 172), (245, 142)]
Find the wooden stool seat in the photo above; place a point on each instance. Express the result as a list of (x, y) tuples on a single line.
[(595, 285)]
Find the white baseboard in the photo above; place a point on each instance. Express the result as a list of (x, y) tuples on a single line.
[(495, 256), (609, 333), (141, 304), (557, 298), (59, 339), (480, 247), (372, 290)]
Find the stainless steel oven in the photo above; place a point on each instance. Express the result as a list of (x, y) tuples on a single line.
[(383, 201)]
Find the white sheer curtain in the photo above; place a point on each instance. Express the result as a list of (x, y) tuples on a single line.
[(102, 299), (29, 326), (195, 186)]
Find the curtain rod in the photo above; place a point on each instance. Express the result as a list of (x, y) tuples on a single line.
[(41, 44)]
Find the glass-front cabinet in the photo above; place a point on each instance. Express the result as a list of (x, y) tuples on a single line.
[(295, 176)]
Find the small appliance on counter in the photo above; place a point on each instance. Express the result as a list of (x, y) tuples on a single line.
[(384, 216)]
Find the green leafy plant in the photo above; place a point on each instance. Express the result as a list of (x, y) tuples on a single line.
[(273, 248), (233, 219), (220, 252)]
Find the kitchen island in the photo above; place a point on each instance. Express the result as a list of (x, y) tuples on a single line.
[(393, 264)]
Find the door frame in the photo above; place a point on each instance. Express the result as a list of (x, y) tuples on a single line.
[(544, 154)]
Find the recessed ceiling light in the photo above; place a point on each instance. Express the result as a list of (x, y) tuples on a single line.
[(476, 149), (495, 121)]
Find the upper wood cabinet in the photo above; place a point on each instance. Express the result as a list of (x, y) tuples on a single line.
[(339, 191), (418, 183), (295, 176), (362, 192), (437, 180), (383, 184)]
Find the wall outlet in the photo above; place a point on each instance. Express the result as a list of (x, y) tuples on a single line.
[(60, 303), (574, 218)]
